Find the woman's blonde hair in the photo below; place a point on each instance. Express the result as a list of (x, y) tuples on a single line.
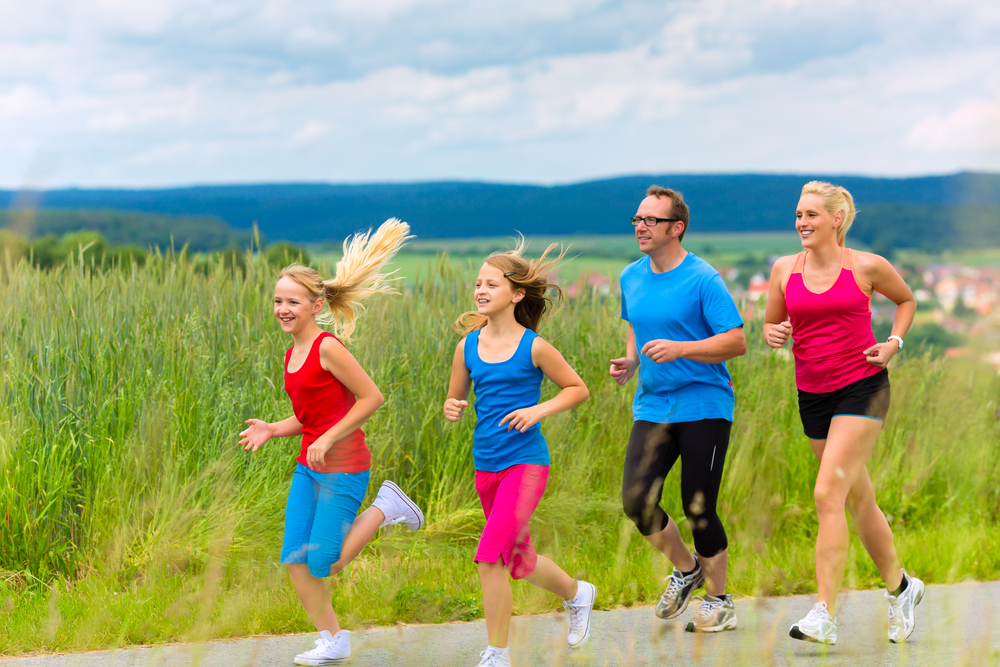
[(835, 198), (359, 276), (528, 275)]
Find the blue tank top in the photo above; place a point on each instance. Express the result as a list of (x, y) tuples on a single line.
[(500, 389)]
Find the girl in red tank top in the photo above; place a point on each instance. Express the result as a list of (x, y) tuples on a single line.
[(331, 397), (820, 298)]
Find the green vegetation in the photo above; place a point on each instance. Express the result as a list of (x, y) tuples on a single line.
[(130, 516), (131, 228)]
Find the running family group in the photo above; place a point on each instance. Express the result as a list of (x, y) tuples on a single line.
[(681, 328)]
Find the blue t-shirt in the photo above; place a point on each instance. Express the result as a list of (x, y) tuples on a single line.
[(690, 302), (500, 389)]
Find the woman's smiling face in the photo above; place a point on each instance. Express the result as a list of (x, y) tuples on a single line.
[(814, 223)]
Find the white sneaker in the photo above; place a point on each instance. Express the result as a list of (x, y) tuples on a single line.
[(493, 657), (901, 609), (818, 626), (578, 614), (397, 507), (330, 650)]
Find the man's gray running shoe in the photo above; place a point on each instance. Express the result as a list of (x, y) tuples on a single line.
[(901, 609), (675, 599), (714, 615)]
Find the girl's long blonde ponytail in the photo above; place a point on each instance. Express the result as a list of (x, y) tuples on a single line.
[(359, 275)]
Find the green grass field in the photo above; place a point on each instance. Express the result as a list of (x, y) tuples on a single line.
[(130, 516)]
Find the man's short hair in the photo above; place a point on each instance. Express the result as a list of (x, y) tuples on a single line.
[(678, 209)]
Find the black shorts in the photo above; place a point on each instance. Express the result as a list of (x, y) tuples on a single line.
[(867, 397)]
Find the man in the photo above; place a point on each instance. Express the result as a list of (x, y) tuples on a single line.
[(683, 326)]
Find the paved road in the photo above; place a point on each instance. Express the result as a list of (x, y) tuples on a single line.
[(956, 625)]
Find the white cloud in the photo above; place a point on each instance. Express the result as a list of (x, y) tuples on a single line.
[(198, 91)]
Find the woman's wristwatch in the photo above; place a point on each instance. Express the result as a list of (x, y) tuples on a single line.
[(897, 339)]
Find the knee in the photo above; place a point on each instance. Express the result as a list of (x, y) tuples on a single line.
[(321, 567), (828, 498)]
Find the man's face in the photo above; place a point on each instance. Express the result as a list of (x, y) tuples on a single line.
[(653, 238)]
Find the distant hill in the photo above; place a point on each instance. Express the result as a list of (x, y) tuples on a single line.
[(933, 211)]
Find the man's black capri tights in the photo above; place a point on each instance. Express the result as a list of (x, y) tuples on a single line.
[(652, 451)]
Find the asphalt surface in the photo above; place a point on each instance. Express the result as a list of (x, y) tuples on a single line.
[(955, 625)]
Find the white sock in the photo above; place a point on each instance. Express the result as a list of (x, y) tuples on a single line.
[(497, 649)]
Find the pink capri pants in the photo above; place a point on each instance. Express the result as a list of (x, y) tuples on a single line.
[(509, 498)]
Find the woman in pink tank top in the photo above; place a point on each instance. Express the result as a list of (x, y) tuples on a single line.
[(821, 298)]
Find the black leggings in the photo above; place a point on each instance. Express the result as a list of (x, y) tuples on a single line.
[(652, 451)]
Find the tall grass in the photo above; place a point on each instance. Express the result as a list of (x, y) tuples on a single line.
[(129, 515)]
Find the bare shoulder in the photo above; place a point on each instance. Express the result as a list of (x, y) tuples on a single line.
[(783, 265), (870, 264), (542, 351), (461, 345), (331, 348)]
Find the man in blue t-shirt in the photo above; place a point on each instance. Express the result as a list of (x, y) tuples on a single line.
[(682, 327)]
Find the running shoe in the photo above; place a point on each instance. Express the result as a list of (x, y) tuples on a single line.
[(715, 614), (818, 626), (901, 609), (330, 650), (492, 657), (578, 614), (675, 599), (397, 507)]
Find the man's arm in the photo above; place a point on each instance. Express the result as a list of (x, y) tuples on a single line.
[(712, 350)]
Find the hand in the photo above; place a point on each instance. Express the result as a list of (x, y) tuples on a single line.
[(256, 435), (880, 354), (523, 419), (662, 351), (622, 369), (316, 453), (453, 409), (779, 333)]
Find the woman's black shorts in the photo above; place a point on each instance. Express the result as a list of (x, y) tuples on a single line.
[(867, 397)]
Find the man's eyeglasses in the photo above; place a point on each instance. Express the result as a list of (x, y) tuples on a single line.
[(651, 222)]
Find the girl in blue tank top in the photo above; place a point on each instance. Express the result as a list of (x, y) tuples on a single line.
[(506, 360)]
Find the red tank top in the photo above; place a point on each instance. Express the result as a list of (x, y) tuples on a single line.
[(319, 401), (830, 329)]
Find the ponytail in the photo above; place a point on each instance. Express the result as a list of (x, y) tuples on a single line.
[(359, 275)]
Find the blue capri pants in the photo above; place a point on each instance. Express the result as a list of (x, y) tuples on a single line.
[(321, 508)]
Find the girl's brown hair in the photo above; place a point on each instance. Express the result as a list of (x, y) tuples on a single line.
[(359, 276), (528, 275)]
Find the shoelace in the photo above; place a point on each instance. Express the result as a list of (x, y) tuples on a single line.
[(815, 614), (707, 606), (489, 658), (675, 586), (895, 608), (575, 613)]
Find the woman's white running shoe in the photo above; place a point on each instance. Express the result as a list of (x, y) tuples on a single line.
[(901, 609), (397, 507), (330, 650), (818, 626), (492, 657), (578, 612)]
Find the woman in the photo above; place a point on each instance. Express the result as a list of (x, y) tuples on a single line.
[(821, 297)]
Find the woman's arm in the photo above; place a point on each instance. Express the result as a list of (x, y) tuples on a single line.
[(339, 362), (777, 327), (572, 389), (458, 386), (883, 278)]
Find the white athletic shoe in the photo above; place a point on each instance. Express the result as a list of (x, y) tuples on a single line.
[(901, 609), (714, 615), (492, 657), (397, 507), (818, 626), (578, 614), (330, 650)]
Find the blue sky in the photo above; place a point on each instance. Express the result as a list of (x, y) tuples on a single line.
[(119, 93)]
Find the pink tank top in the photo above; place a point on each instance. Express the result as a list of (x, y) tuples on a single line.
[(830, 329)]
